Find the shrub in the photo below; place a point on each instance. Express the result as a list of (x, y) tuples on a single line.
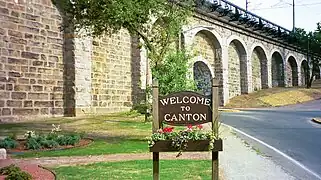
[(8, 143), (49, 144), (9, 169), (71, 139), (32, 143), (19, 175)]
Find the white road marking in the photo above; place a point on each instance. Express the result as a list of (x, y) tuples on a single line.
[(277, 151)]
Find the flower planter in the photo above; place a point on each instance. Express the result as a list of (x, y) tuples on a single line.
[(201, 145)]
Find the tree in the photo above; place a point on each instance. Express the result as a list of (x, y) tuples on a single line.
[(311, 43), (156, 22)]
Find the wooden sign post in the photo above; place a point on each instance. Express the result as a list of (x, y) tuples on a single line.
[(181, 109)]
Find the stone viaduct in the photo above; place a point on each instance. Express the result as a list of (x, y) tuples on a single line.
[(47, 73)]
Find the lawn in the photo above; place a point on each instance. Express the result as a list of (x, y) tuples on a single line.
[(274, 97), (113, 133), (138, 170)]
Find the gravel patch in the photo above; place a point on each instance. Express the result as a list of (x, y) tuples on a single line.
[(241, 162)]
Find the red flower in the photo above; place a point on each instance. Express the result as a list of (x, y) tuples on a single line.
[(168, 129), (200, 126), (189, 126)]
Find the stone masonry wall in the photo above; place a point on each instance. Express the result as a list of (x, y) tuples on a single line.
[(256, 71), (31, 63), (234, 79), (115, 72)]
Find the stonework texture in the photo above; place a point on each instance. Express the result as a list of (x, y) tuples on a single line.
[(115, 72), (292, 72), (234, 75), (31, 70), (256, 72), (46, 72), (277, 71)]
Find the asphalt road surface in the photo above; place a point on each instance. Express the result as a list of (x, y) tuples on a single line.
[(288, 129)]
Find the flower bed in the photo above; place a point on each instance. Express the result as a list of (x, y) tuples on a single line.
[(193, 138), (40, 142)]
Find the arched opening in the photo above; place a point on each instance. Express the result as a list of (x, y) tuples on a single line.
[(207, 46), (277, 70), (202, 77), (304, 72), (237, 69), (292, 72), (259, 69)]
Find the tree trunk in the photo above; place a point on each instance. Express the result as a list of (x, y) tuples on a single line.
[(309, 83)]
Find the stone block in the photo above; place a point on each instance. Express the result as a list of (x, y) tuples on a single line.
[(18, 95), (29, 55), (3, 154)]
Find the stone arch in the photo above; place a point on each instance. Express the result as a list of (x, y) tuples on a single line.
[(277, 69), (292, 72), (208, 48), (237, 68), (203, 76), (193, 31), (259, 68), (304, 72)]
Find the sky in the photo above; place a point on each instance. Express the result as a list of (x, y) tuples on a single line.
[(280, 12)]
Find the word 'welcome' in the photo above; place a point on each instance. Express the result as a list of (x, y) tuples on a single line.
[(185, 108), (185, 100)]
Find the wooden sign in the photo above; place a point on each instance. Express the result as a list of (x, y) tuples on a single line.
[(184, 108)]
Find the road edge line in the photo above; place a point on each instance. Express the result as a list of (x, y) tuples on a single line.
[(276, 150)]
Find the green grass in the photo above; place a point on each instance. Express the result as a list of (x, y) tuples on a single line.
[(98, 147), (113, 133), (138, 170)]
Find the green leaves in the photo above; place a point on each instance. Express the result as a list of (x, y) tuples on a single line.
[(172, 73)]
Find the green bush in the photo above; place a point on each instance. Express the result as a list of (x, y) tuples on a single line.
[(52, 136), (71, 139), (49, 144), (32, 143), (19, 175), (9, 169), (8, 143)]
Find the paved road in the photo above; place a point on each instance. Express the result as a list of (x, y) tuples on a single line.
[(290, 130)]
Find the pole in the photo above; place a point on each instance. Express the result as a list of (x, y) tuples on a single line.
[(155, 128), (246, 5), (293, 16), (215, 168)]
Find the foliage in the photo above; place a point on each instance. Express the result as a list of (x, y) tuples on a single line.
[(8, 143), (14, 172), (99, 17), (32, 143), (181, 138), (9, 169), (172, 74), (51, 140), (19, 175), (311, 42)]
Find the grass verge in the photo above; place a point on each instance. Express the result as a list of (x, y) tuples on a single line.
[(138, 170), (274, 97)]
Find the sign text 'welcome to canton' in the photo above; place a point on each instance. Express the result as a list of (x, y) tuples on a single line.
[(184, 108)]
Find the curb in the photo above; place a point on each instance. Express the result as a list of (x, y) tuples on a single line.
[(316, 120), (50, 170)]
